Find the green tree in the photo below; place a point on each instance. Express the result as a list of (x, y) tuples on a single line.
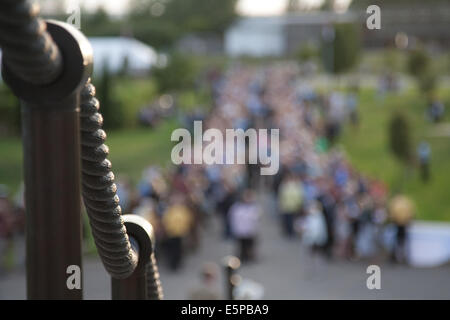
[(293, 6), (400, 142), (328, 5), (174, 18), (420, 66), (418, 62), (307, 52), (100, 23), (341, 51), (110, 108), (9, 111), (180, 73)]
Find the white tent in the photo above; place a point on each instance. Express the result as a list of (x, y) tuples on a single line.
[(114, 51)]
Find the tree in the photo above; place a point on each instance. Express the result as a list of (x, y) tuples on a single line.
[(110, 108), (307, 52), (418, 62), (328, 5), (9, 111), (100, 23), (420, 66), (174, 18), (293, 6), (178, 74), (342, 48), (400, 138)]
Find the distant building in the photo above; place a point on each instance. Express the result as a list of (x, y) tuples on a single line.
[(279, 35), (426, 21), (200, 44), (120, 53), (256, 36)]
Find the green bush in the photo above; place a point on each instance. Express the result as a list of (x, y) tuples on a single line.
[(420, 66), (418, 62), (179, 74), (307, 52), (111, 109), (9, 111), (343, 52), (400, 138)]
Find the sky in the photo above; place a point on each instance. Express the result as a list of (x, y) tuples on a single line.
[(245, 7)]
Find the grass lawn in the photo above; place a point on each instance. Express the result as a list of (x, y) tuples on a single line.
[(368, 149)]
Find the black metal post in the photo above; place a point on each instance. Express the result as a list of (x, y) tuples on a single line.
[(231, 265), (52, 180), (51, 142), (141, 237)]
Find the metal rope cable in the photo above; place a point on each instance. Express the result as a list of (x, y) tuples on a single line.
[(99, 191), (154, 287), (27, 47), (101, 201)]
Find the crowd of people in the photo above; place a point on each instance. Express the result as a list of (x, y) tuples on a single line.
[(317, 194)]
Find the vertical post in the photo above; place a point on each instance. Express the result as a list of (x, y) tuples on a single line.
[(51, 140), (135, 286), (231, 264), (52, 184), (142, 240)]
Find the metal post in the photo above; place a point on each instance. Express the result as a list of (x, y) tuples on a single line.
[(231, 264), (51, 141), (52, 181), (135, 286), (142, 240)]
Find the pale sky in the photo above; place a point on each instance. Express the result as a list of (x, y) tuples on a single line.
[(245, 7)]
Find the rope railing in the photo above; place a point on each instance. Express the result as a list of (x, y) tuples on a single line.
[(27, 47), (99, 191), (38, 75)]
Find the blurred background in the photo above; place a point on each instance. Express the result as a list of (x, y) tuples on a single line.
[(364, 144)]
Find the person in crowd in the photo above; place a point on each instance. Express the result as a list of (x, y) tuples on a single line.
[(314, 231), (401, 211), (290, 202), (424, 157), (228, 198), (436, 110), (352, 106), (177, 223), (207, 290), (244, 216)]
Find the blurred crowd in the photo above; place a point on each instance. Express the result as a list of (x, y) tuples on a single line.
[(317, 195)]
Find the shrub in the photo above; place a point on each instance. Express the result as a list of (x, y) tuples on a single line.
[(400, 138), (180, 73), (343, 50), (111, 109)]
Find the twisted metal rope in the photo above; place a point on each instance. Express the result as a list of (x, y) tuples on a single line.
[(27, 47), (99, 191), (154, 287)]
